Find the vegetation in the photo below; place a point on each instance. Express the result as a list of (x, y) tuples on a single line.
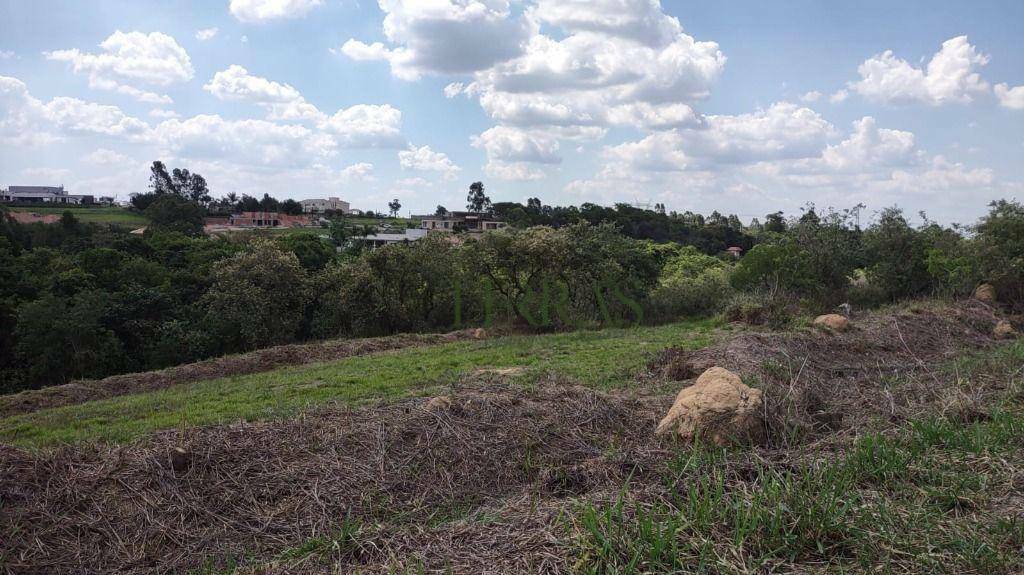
[(605, 359), (174, 296), (103, 215)]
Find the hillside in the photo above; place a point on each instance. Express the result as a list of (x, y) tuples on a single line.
[(96, 215), (893, 447)]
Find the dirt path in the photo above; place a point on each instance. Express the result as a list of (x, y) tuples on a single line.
[(241, 364)]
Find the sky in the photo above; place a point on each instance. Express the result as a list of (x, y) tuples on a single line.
[(746, 107)]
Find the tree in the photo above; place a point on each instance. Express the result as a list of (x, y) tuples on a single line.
[(775, 223), (477, 200), (291, 207), (269, 204), (248, 204), (441, 211), (173, 213), (257, 298), (190, 186), (313, 252), (159, 180), (393, 206)]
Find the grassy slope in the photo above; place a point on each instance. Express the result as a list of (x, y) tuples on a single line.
[(98, 215), (605, 358)]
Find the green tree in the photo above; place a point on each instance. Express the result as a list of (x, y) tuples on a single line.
[(1000, 250), (171, 212), (313, 252), (477, 200), (393, 206), (257, 298)]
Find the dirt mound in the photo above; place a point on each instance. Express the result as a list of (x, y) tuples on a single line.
[(255, 490), (814, 384), (241, 364), (717, 406)]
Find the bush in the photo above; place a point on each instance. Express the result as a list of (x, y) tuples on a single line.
[(773, 310), (692, 284), (777, 267), (1000, 250)]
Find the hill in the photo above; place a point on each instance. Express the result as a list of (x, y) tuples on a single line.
[(893, 447)]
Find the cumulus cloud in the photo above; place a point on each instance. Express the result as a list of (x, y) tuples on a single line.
[(361, 172), (104, 157), (205, 34), (282, 101), (25, 120), (444, 36), (517, 145), (257, 11), (6, 54), (1012, 98), (127, 59), (950, 77), (366, 126), (251, 142), (812, 96), (839, 96), (658, 152), (425, 159)]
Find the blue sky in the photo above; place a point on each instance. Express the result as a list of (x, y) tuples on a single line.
[(741, 107)]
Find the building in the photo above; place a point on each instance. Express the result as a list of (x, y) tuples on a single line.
[(268, 220), (383, 239), (735, 251), (319, 206), (460, 221), (42, 195)]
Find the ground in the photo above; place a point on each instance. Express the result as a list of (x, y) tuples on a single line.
[(99, 215), (894, 448)]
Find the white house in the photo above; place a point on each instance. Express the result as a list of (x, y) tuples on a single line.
[(319, 206), (383, 239), (42, 194)]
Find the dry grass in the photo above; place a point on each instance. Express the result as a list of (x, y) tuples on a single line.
[(888, 451)]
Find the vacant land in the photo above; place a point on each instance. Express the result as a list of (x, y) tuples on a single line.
[(98, 215), (892, 448), (598, 358)]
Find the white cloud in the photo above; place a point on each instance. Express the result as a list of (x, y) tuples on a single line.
[(163, 114), (6, 54), (812, 96), (658, 152), (453, 89), (950, 77), (27, 121), (256, 11), (366, 126), (131, 58), (205, 34), (425, 159), (282, 101), (839, 96), (360, 172), (444, 36), (247, 142), (1012, 98), (517, 145), (51, 175), (513, 171), (104, 157), (870, 147)]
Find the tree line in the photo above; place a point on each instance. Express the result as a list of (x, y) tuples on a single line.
[(81, 300)]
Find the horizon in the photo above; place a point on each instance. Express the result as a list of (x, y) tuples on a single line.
[(745, 109)]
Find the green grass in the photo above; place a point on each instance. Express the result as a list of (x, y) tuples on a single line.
[(908, 503), (98, 215), (603, 359)]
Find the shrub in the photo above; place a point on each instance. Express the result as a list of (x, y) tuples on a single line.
[(1000, 250), (776, 267), (772, 310), (691, 284)]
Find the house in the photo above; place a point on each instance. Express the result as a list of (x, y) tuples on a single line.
[(472, 222), (268, 220), (42, 194), (319, 206), (382, 239), (735, 251)]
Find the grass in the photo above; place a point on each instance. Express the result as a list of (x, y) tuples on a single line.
[(905, 503), (604, 359), (98, 215)]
